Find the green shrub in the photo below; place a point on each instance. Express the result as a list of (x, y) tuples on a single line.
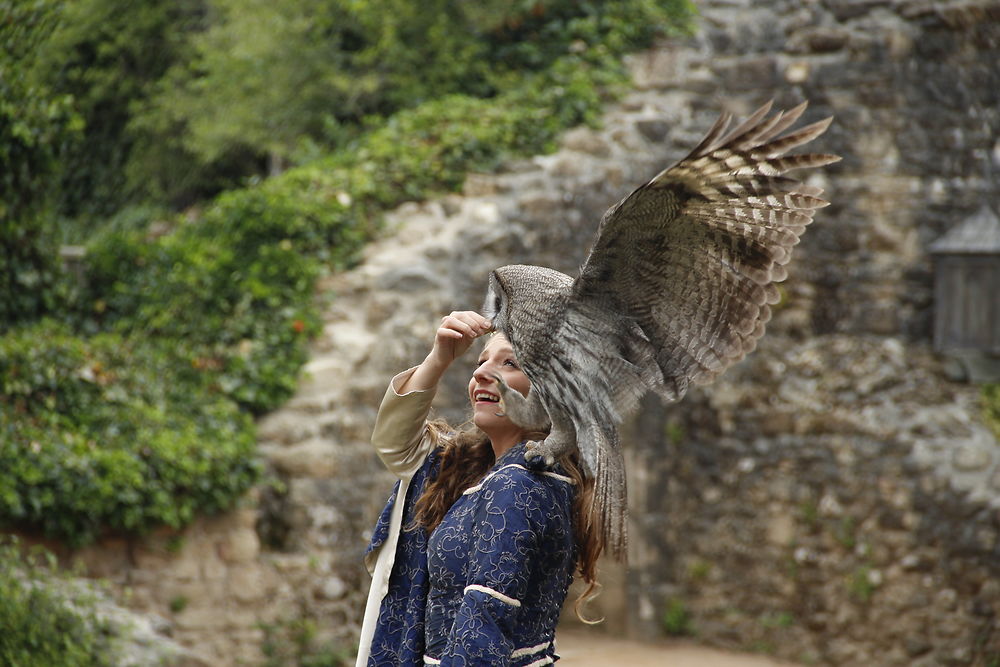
[(231, 294), (43, 622), (676, 619), (293, 643), (432, 147), (104, 434)]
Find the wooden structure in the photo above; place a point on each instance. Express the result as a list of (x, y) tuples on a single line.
[(967, 289)]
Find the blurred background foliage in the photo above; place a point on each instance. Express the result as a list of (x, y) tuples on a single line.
[(214, 158), (46, 620)]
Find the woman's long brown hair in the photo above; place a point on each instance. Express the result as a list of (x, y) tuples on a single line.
[(466, 457)]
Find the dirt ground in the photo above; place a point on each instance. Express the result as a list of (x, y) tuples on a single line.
[(580, 648)]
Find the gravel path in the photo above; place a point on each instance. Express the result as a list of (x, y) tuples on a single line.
[(583, 648)]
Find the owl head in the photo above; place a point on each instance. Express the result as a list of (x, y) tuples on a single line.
[(519, 293)]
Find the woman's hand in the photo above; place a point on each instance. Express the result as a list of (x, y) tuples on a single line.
[(453, 339), (455, 335)]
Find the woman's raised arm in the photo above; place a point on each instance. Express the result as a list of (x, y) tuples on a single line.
[(400, 427), (453, 339)]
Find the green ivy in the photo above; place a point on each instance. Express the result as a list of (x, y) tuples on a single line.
[(102, 434), (39, 628)]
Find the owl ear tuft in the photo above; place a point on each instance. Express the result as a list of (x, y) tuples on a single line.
[(493, 305)]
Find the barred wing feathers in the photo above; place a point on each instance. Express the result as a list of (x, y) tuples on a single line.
[(692, 255)]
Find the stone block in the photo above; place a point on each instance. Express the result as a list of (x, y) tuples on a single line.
[(654, 129), (286, 427), (312, 458), (296, 564), (240, 546), (240, 617), (781, 529), (541, 207), (253, 581), (797, 72), (315, 404), (585, 140), (187, 565), (817, 39), (213, 568), (972, 457), (844, 10), (479, 185), (657, 68), (413, 277), (202, 618), (331, 588), (753, 73)]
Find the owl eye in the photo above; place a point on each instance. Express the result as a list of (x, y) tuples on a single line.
[(496, 304)]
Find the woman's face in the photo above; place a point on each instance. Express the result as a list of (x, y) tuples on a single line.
[(497, 358)]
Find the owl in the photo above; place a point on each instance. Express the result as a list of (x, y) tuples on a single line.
[(677, 287)]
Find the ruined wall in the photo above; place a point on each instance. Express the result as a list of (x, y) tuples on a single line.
[(832, 499)]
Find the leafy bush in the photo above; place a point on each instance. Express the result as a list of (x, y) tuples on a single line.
[(431, 148), (42, 623), (103, 434)]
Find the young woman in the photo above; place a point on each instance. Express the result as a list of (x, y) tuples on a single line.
[(474, 552)]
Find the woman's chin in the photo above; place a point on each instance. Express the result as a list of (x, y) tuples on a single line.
[(484, 415)]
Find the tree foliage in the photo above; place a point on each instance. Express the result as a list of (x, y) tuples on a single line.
[(131, 404), (288, 80), (36, 126), (107, 57)]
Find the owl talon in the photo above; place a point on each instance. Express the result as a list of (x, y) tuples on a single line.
[(538, 456)]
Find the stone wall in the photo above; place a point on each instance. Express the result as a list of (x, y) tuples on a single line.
[(832, 499), (835, 499)]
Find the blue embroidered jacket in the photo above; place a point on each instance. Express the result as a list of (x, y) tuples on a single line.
[(486, 588)]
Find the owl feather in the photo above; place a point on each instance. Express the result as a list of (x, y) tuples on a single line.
[(677, 288)]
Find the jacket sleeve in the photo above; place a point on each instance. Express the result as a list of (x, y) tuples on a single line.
[(400, 437), (513, 516)]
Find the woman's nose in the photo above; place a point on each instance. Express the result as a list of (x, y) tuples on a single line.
[(484, 373)]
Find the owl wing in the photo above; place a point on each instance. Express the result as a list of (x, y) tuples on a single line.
[(689, 259)]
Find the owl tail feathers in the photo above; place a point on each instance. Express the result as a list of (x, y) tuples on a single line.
[(609, 508)]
